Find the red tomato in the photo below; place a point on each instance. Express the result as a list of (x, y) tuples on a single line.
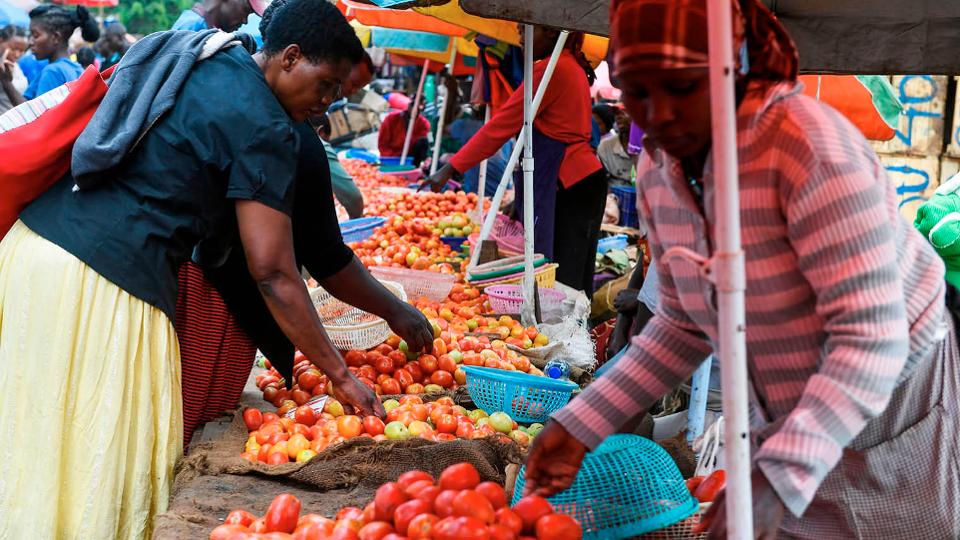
[(259, 526), (283, 514), (447, 423), (530, 509), (270, 417), (558, 527), (415, 488), (428, 364), (344, 532), (253, 418), (694, 483), (388, 497), (421, 527), (429, 495), (316, 519), (409, 478), (308, 380), (500, 532), (300, 397), (349, 512), (228, 531), (446, 363), (465, 430), (314, 531), (509, 519), (443, 378), (460, 528), (270, 394), (375, 530), (239, 517), (711, 487), (349, 426), (443, 504), (415, 371), (391, 387), (415, 388), (367, 372), (459, 476), (384, 349), (355, 358), (494, 493), (470, 503), (384, 364), (305, 415), (278, 458), (405, 513), (373, 425), (403, 377)]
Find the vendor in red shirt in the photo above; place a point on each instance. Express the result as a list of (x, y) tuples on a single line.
[(393, 132), (570, 186)]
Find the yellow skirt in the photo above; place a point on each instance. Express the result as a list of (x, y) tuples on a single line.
[(90, 405)]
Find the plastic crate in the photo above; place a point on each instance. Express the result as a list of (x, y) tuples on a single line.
[(509, 298), (417, 284), (348, 327), (527, 398), (453, 241), (627, 487), (357, 230), (627, 201), (618, 241)]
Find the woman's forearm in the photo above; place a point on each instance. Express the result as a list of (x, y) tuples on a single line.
[(355, 286), (15, 97)]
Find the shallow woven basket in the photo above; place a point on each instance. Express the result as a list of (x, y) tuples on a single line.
[(417, 284), (351, 328)]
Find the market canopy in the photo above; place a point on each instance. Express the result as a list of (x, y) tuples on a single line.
[(400, 19), (11, 14), (845, 36)]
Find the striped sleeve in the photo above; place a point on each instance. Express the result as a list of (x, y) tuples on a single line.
[(663, 355), (840, 226)]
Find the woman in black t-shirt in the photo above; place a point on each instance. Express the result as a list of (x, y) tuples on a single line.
[(91, 405)]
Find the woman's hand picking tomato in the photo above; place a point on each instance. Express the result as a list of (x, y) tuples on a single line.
[(767, 511), (410, 324), (350, 391), (554, 460)]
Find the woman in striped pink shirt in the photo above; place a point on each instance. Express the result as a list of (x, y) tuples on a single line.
[(851, 352)]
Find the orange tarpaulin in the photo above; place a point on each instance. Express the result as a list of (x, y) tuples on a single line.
[(846, 94), (400, 19)]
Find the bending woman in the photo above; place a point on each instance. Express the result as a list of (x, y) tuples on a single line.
[(569, 185), (852, 353), (88, 277)]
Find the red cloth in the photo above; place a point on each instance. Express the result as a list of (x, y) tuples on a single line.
[(393, 131), (216, 356), (564, 116)]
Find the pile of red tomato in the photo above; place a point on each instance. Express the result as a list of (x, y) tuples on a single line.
[(457, 507), (368, 177), (279, 438), (405, 244)]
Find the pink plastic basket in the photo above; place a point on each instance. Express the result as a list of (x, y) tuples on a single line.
[(509, 298)]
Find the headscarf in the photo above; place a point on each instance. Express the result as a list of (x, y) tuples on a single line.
[(672, 34)]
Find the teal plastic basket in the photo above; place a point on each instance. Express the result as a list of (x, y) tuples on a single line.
[(527, 398), (628, 486)]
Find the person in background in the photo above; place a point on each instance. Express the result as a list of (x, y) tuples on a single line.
[(50, 29), (393, 133), (461, 131), (613, 150), (113, 45), (227, 15), (604, 117), (31, 66), (570, 185), (13, 43), (86, 57), (852, 345), (344, 188)]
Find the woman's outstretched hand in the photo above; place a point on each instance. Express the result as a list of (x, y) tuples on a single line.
[(553, 462)]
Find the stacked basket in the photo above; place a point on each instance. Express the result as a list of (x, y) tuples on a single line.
[(348, 327)]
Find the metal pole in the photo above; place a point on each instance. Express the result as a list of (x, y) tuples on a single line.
[(526, 310), (414, 114), (729, 271), (443, 110), (515, 155), (482, 181)]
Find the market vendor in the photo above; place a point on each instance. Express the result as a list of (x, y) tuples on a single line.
[(393, 135), (852, 352), (227, 15), (570, 186), (88, 283)]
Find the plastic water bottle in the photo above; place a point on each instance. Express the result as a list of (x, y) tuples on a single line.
[(557, 369)]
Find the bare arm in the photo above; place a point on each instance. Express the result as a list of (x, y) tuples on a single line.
[(6, 80), (267, 240)]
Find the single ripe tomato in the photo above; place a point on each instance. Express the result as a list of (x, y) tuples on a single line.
[(278, 458), (390, 387), (373, 425), (349, 426), (305, 415), (530, 509), (460, 528), (494, 493), (711, 487), (384, 364), (429, 495), (227, 531), (253, 418), (421, 527), (447, 423), (349, 512), (443, 504), (428, 364), (405, 513), (500, 532), (398, 358), (442, 378), (409, 478), (283, 514), (387, 498), (470, 503), (558, 527), (375, 530), (446, 363), (509, 519), (459, 476), (403, 377), (308, 380), (239, 517)]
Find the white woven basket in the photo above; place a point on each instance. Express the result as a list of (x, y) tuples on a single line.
[(682, 530), (351, 328), (433, 286)]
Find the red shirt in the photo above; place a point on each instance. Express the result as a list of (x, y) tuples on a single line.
[(564, 115), (393, 131)]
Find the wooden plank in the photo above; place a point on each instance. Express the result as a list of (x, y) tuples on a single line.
[(914, 178), (920, 132), (590, 16), (953, 146)]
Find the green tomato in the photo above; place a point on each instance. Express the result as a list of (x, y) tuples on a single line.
[(396, 431), (433, 389), (403, 346), (472, 324), (455, 355), (535, 429), (390, 404), (476, 415), (501, 422)]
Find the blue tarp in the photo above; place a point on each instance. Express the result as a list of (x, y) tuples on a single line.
[(389, 38), (11, 14)]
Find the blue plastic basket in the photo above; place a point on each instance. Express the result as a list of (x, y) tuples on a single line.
[(360, 229), (391, 161), (527, 398), (453, 241), (618, 241), (627, 201), (628, 486)]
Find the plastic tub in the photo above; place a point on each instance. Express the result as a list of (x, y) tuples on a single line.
[(612, 242), (357, 230), (627, 201), (411, 173)]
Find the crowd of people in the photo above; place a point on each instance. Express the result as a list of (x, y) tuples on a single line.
[(172, 251)]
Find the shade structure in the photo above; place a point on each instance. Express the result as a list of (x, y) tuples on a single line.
[(400, 19), (11, 14), (422, 45), (847, 36)]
